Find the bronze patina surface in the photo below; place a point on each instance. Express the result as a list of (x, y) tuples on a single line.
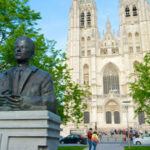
[(26, 87)]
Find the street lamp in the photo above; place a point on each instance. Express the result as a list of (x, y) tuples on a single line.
[(96, 126), (126, 107)]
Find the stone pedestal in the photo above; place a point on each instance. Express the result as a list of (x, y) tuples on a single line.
[(29, 130)]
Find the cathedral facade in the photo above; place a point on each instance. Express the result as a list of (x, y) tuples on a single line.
[(105, 64)]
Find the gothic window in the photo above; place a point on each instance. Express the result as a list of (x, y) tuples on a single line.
[(82, 46), (86, 117), (137, 37), (111, 80), (137, 48), (82, 20), (108, 117), (88, 19), (134, 11), (136, 34), (115, 51), (88, 41), (141, 118), (117, 117), (89, 53), (82, 42), (131, 50), (130, 37), (82, 38), (135, 64), (104, 51), (127, 11), (83, 53), (86, 74)]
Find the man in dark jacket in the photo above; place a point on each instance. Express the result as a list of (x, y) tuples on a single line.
[(26, 87), (89, 138)]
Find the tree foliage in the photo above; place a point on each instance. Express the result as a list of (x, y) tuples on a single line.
[(17, 19), (140, 88)]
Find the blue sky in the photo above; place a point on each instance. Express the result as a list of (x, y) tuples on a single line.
[(55, 17)]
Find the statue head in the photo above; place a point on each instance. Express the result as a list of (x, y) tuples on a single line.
[(24, 49)]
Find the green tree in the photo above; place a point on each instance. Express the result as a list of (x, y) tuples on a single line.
[(140, 88), (17, 19)]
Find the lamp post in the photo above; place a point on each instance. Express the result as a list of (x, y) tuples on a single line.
[(126, 107), (96, 126)]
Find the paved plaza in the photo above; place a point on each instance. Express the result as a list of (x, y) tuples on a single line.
[(107, 143), (108, 147), (110, 143)]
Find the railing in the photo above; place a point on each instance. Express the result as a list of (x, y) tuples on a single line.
[(112, 139)]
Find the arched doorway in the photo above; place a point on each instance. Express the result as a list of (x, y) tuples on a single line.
[(112, 112)]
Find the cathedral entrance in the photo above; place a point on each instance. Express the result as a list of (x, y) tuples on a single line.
[(112, 113)]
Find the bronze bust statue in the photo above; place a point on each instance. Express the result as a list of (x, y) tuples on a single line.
[(26, 87)]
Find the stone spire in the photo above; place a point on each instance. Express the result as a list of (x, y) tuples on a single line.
[(108, 25), (75, 2)]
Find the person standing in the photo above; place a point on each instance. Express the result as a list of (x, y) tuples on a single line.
[(95, 140), (100, 136), (89, 138)]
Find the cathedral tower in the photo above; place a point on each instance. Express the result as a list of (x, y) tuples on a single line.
[(82, 37), (106, 64), (134, 26)]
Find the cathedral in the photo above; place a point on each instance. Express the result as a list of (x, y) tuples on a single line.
[(105, 64)]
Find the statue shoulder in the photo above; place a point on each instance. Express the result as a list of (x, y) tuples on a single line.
[(1, 75), (44, 74), (10, 70), (33, 68)]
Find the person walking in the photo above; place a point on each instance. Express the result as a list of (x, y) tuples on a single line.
[(89, 138), (95, 140), (100, 136)]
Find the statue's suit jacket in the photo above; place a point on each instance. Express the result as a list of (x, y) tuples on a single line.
[(1, 76), (35, 86)]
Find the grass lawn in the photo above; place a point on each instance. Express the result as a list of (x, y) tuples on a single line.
[(72, 147), (138, 148)]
